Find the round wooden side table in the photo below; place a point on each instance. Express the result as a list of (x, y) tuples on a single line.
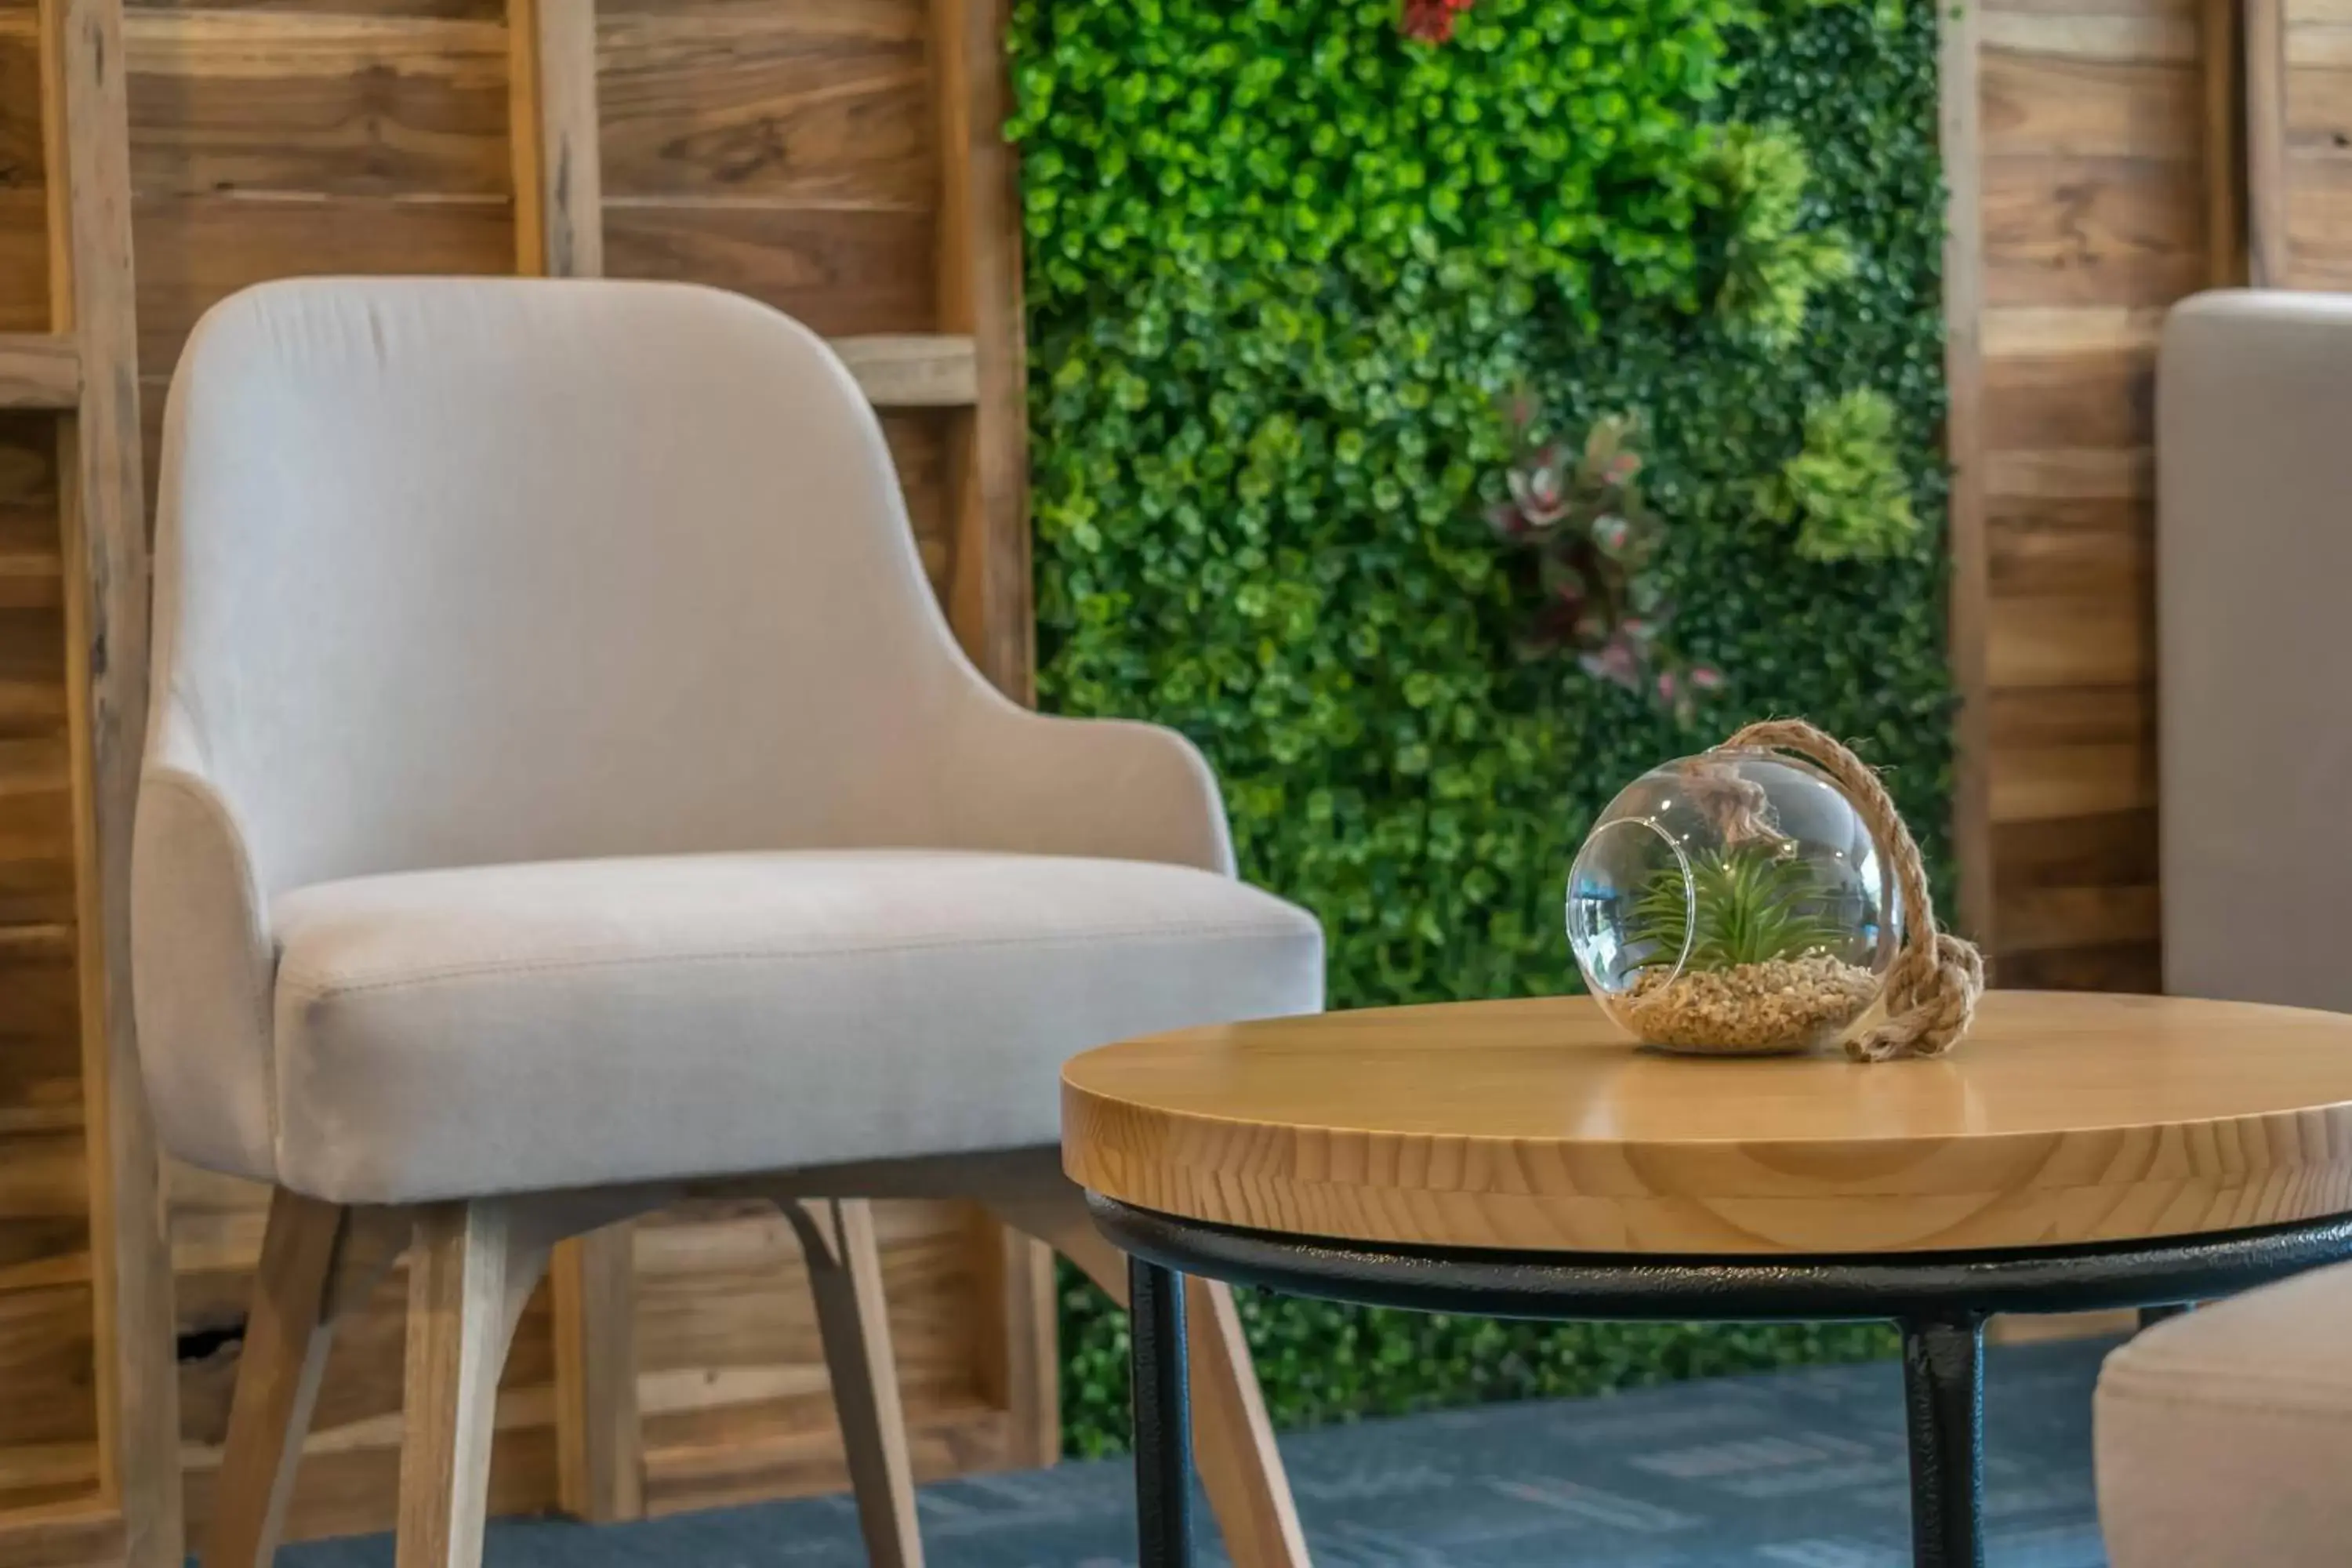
[(1521, 1159)]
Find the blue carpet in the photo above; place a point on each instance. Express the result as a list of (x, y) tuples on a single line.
[(1799, 1469)]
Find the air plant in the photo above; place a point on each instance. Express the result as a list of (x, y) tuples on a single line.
[(1752, 903), (1579, 514)]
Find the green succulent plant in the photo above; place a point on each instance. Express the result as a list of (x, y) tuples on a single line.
[(1752, 903), (1847, 492)]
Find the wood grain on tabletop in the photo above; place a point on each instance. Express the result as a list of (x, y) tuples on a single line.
[(2062, 1119)]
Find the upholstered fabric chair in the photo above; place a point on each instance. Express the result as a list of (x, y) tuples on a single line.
[(2224, 1436), (563, 793)]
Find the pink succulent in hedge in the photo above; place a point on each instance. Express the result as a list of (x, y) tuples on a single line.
[(1539, 488), (1431, 21), (1579, 514)]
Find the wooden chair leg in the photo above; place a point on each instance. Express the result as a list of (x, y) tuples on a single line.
[(1232, 1440), (317, 1260), (286, 1336), (599, 1473), (473, 1268), (845, 1267)]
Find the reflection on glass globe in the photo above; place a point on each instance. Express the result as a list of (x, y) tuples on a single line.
[(1734, 904)]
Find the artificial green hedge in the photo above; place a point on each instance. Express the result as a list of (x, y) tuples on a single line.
[(1281, 263)]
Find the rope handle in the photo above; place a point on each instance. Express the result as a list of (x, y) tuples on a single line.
[(1933, 985)]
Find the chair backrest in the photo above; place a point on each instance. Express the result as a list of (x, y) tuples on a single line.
[(2254, 571), (455, 571)]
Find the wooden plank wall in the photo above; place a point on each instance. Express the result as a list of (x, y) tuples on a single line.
[(2301, 129), (49, 1427), (2107, 185), (789, 151)]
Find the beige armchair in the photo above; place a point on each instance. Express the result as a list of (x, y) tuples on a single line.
[(563, 793), (2224, 1436)]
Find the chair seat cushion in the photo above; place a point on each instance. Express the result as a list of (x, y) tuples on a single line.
[(2225, 1437), (510, 1028)]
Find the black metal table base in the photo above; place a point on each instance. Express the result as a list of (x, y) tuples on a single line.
[(1939, 1300)]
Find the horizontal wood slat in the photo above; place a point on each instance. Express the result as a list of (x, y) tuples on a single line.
[(73, 1535), (39, 371), (913, 370)]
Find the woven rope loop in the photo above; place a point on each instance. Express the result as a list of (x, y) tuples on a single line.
[(1933, 985)]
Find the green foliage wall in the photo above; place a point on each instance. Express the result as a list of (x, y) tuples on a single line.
[(1281, 261)]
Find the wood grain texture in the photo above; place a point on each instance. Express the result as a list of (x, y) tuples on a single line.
[(824, 107), (989, 601), (316, 103), (2109, 190), (474, 1267), (2121, 34), (397, 10), (1961, 138), (2090, 231), (2075, 550), (913, 370), (557, 176), (2094, 399), (49, 1433), (2270, 259), (69, 1535), (1019, 1361), (195, 251), (2223, 42), (2037, 106), (349, 1473), (2064, 640), (600, 1461), (40, 370), (2062, 1119), (103, 546), (24, 261), (840, 272), (2059, 783), (287, 1338)]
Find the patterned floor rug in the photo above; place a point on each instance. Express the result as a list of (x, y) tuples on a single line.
[(1801, 1469)]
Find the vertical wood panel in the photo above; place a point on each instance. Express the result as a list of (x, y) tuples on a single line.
[(559, 200), (2270, 258), (103, 549), (2107, 194), (2224, 143), (980, 294), (1962, 88)]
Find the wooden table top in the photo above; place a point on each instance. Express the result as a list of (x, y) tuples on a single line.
[(2060, 1120)]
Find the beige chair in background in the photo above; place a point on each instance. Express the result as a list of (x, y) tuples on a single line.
[(2225, 1437), (563, 793)]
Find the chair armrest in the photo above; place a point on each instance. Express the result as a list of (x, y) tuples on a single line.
[(1107, 788), (203, 972)]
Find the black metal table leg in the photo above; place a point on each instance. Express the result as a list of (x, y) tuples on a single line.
[(1943, 1387), (1163, 1419), (1941, 1300)]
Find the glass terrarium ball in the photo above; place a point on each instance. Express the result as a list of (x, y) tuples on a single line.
[(1734, 904)]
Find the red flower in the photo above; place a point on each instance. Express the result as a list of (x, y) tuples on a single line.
[(1431, 21)]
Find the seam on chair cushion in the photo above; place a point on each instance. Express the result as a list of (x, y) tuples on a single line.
[(319, 988)]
